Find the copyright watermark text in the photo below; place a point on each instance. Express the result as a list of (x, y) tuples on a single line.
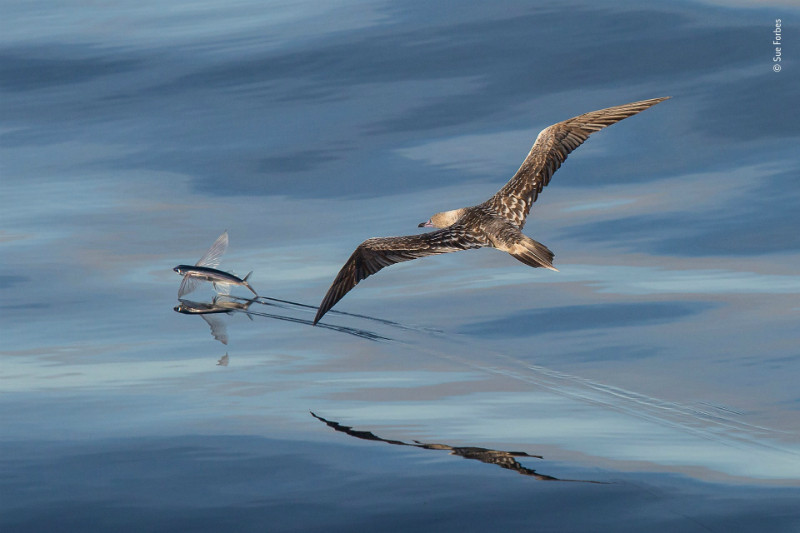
[(776, 42)]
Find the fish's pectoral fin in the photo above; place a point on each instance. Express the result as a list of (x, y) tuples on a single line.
[(188, 284), (212, 257)]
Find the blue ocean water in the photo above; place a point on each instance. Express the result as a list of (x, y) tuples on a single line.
[(650, 384)]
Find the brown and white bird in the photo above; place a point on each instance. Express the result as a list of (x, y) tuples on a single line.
[(497, 222)]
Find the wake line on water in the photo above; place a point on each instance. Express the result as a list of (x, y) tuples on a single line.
[(713, 426), (714, 423), (364, 334), (301, 307)]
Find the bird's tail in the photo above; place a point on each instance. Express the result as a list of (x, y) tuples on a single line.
[(533, 253), (244, 281)]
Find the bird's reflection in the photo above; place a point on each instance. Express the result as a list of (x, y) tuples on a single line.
[(223, 361), (503, 459)]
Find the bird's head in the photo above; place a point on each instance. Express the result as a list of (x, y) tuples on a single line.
[(443, 219)]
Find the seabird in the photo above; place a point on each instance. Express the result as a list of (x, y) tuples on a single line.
[(497, 222)]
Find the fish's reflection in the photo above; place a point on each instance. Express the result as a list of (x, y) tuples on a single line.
[(220, 304), (207, 310), (225, 304), (503, 459)]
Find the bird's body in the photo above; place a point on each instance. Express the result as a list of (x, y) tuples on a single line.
[(497, 222)]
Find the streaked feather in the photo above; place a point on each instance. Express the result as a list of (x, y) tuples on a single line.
[(549, 151), (379, 252), (496, 222)]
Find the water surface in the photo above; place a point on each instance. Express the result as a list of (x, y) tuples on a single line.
[(657, 370)]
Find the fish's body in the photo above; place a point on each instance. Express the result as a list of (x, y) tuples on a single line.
[(495, 223), (206, 270), (220, 279)]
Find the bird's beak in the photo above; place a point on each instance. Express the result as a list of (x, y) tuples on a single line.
[(425, 224)]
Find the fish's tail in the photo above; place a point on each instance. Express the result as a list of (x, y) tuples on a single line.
[(246, 284), (533, 253)]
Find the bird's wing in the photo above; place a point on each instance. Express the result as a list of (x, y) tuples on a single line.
[(376, 253), (212, 257), (515, 198)]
